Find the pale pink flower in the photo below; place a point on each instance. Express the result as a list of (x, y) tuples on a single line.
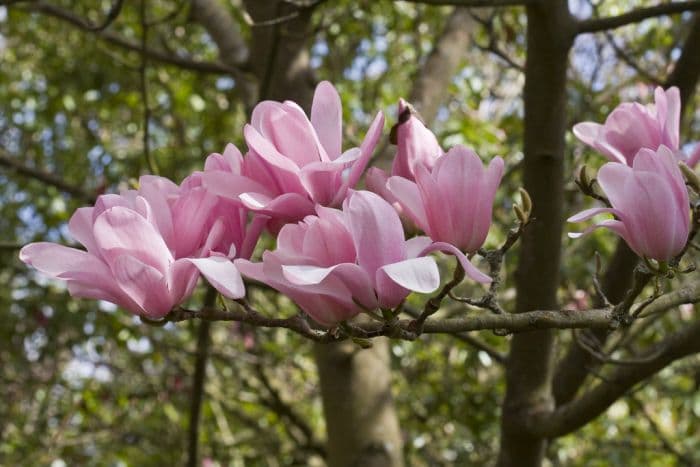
[(416, 146), (452, 204), (632, 126), (649, 201), (337, 263), (146, 248), (295, 162)]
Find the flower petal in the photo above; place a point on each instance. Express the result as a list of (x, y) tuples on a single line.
[(222, 273), (327, 118)]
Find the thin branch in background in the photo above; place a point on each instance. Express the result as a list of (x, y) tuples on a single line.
[(10, 162), (112, 15), (281, 408), (635, 16), (495, 355), (492, 45), (143, 77), (110, 37), (200, 373), (179, 7), (683, 459), (620, 52)]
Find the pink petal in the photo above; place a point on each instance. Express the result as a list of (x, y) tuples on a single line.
[(407, 195), (222, 274), (469, 268), (266, 150), (376, 230), (351, 275), (121, 231), (589, 213), (289, 207), (366, 149), (144, 284), (231, 186), (80, 227), (672, 120), (417, 274), (327, 118), (286, 129)]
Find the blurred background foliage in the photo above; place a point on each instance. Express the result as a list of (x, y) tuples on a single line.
[(83, 383)]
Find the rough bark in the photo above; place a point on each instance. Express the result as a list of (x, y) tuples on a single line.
[(576, 364), (529, 368), (360, 418)]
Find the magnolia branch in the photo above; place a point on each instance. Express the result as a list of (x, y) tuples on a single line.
[(407, 328), (575, 414), (608, 318), (124, 43), (635, 16), (9, 162)]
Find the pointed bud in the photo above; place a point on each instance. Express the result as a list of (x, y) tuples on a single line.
[(690, 176), (583, 179), (526, 201), (522, 217)]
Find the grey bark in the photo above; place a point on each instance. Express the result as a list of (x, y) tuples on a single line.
[(529, 367), (363, 430)]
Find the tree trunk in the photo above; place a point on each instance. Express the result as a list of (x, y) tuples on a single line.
[(529, 368), (363, 430)]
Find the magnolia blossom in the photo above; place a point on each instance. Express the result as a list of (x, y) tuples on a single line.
[(416, 146), (453, 203), (649, 201), (295, 162), (337, 263), (633, 126), (146, 248)]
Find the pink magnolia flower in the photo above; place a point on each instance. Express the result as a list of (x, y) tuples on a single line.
[(453, 203), (337, 263), (416, 145), (146, 248), (294, 163), (632, 126), (649, 201)]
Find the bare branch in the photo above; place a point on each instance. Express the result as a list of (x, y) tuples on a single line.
[(10, 162), (112, 15), (406, 328), (120, 41), (495, 355), (575, 414), (635, 16), (475, 3)]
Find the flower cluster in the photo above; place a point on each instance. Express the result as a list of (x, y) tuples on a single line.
[(339, 251), (342, 251), (643, 184)]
